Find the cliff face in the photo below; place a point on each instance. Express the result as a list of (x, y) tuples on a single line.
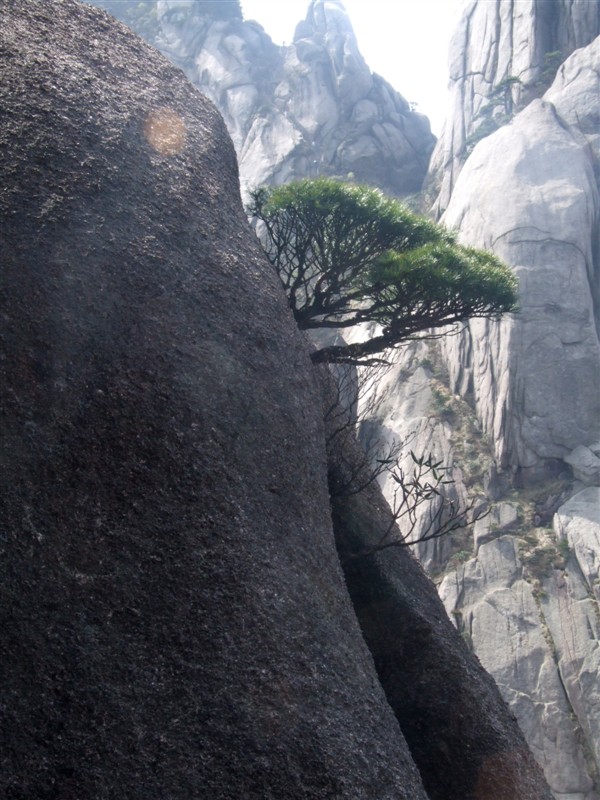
[(526, 595), (530, 192), (502, 56), (511, 408), (174, 619), (311, 108)]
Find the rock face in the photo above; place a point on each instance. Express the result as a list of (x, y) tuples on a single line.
[(549, 232), (311, 108), (528, 597), (174, 619), (496, 41), (513, 408)]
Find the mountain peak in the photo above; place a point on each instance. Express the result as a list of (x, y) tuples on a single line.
[(324, 17)]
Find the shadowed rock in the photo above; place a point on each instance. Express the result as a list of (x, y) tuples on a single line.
[(461, 734), (174, 620)]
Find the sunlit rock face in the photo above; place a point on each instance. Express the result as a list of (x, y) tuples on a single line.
[(528, 597), (530, 193), (495, 41), (174, 619), (313, 107), (513, 408)]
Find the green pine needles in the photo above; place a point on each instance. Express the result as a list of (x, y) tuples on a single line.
[(346, 255)]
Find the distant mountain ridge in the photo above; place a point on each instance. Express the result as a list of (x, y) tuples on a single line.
[(313, 107)]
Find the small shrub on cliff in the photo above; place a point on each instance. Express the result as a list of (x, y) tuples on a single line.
[(347, 255)]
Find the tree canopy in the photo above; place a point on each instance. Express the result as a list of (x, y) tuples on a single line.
[(346, 255)]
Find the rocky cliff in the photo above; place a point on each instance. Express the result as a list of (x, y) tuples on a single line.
[(175, 619), (502, 56), (311, 108), (511, 408), (530, 192), (514, 407)]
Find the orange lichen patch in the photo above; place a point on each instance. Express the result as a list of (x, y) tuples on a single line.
[(165, 131)]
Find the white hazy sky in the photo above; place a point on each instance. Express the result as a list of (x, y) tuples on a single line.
[(405, 41)]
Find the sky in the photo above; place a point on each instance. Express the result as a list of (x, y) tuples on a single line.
[(405, 41)]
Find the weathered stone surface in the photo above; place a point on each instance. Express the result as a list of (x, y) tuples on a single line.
[(572, 612), (574, 93), (436, 688), (517, 639), (493, 41), (397, 416), (501, 516), (585, 463), (549, 233), (529, 192), (174, 620), (313, 107), (578, 521)]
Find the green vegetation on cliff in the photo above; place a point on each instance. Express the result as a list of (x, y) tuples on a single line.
[(347, 255)]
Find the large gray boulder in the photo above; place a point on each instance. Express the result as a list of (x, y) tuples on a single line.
[(174, 620)]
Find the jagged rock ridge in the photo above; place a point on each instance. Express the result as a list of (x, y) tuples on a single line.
[(313, 107)]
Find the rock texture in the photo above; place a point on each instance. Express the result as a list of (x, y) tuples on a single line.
[(313, 107), (426, 669), (494, 41), (546, 162), (513, 408), (174, 619)]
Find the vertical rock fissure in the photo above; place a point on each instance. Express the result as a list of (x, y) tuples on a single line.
[(578, 729)]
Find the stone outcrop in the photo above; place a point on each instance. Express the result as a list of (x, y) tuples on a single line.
[(513, 408), (495, 41), (533, 627), (174, 619), (313, 107)]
